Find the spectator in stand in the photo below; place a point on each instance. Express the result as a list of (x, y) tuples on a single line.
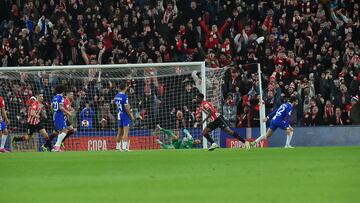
[(314, 45), (313, 118), (338, 118), (87, 116), (230, 110)]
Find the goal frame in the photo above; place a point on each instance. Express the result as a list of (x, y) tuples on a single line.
[(197, 64)]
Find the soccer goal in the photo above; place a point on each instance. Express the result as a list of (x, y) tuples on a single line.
[(160, 94)]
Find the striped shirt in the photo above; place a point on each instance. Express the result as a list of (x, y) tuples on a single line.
[(206, 106), (37, 108)]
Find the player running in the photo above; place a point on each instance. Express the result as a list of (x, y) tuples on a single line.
[(280, 118), (69, 98), (124, 115), (3, 122), (175, 142), (216, 121), (57, 105), (36, 114)]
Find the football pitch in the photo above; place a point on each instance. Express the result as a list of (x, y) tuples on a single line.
[(326, 174)]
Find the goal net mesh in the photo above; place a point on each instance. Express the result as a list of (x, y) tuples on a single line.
[(158, 96)]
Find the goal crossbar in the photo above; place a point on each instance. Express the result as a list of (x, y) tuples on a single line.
[(102, 66)]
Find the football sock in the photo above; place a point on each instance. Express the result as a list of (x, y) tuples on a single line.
[(208, 138), (237, 136), (3, 140), (288, 138), (260, 138), (60, 138), (52, 136), (118, 145), (124, 145), (48, 144), (70, 132)]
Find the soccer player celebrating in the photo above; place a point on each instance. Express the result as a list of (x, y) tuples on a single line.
[(57, 105), (3, 122), (124, 115), (36, 114), (216, 121), (280, 118)]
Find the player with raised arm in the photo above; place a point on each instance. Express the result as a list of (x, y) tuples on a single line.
[(175, 142), (3, 122), (216, 121), (280, 118), (57, 105), (125, 116), (36, 114)]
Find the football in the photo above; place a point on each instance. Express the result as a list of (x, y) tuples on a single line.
[(85, 123)]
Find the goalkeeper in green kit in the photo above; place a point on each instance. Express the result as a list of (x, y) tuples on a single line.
[(175, 142)]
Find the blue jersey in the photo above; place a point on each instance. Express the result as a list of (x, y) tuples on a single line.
[(121, 99), (59, 116), (282, 114)]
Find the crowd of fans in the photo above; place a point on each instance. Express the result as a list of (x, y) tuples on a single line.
[(309, 49)]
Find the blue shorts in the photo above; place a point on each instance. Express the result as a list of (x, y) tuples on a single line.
[(2, 126), (125, 122), (60, 125), (277, 124)]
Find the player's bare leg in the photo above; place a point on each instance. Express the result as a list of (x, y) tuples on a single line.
[(237, 136), (289, 134), (47, 144), (119, 139), (205, 133), (125, 139), (269, 133)]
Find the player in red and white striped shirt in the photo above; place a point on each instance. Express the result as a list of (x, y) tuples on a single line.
[(216, 121), (3, 122), (36, 114)]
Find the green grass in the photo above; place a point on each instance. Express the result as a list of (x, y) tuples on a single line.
[(304, 175)]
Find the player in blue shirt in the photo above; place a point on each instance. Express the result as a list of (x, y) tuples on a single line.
[(280, 118), (57, 105), (124, 116)]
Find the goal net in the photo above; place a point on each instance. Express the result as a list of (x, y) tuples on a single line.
[(159, 95)]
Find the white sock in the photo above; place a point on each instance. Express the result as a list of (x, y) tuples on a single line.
[(60, 138), (3, 141), (260, 138), (118, 146), (124, 144), (288, 138)]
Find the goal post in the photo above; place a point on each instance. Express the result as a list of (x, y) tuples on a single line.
[(160, 93), (262, 103)]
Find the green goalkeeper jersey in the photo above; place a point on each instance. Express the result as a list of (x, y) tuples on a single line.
[(185, 143)]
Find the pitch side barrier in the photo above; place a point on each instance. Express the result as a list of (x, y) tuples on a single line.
[(146, 139)]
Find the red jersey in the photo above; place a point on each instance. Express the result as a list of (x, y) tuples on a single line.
[(67, 104), (2, 105), (206, 106), (38, 108)]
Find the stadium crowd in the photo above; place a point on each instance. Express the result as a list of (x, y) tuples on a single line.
[(309, 49)]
